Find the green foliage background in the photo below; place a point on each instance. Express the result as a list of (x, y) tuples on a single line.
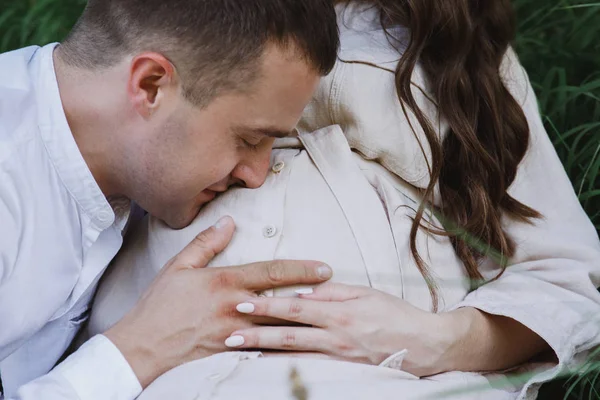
[(558, 42)]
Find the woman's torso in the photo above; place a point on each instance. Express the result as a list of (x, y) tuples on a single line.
[(323, 203)]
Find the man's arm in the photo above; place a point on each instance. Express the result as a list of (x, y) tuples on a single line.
[(97, 370)]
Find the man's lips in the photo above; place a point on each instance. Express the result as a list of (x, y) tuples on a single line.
[(210, 193)]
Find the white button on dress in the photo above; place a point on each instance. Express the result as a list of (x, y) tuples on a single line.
[(278, 167), (269, 231)]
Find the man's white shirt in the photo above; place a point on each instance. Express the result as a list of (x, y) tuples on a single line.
[(58, 233)]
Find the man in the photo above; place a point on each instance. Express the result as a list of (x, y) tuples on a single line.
[(154, 103)]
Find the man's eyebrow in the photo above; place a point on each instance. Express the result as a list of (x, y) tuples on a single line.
[(267, 131)]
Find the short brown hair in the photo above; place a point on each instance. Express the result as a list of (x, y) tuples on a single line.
[(215, 44)]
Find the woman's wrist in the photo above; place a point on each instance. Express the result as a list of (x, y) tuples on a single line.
[(473, 340), (436, 345), (455, 328)]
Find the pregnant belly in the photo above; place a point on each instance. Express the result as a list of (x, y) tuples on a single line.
[(294, 215)]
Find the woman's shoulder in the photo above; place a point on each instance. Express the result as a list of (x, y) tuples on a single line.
[(360, 95), (363, 39)]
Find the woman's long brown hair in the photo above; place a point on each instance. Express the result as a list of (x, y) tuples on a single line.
[(460, 44)]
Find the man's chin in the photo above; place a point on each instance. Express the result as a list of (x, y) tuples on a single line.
[(176, 225), (180, 221)]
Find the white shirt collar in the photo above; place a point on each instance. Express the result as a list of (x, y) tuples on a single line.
[(62, 148)]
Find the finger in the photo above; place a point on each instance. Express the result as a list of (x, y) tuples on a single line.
[(280, 273), (266, 321), (307, 312), (206, 245), (331, 291), (282, 338)]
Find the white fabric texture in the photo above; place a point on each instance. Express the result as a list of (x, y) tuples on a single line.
[(58, 233), (97, 370)]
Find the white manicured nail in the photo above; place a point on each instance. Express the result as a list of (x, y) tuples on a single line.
[(245, 308), (304, 291), (234, 341), (222, 223), (324, 272)]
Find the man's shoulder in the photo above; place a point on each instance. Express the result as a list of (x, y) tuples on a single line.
[(17, 99)]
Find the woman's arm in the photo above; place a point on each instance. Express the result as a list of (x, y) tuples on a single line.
[(477, 341), (547, 296)]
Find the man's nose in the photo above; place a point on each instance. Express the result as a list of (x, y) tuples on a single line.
[(252, 171)]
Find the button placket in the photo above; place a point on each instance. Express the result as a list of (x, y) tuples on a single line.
[(279, 164), (275, 197)]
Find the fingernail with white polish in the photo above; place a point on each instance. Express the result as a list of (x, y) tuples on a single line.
[(234, 341), (304, 291), (245, 308), (220, 224), (324, 272)]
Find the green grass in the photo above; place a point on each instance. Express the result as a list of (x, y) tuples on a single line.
[(26, 22), (559, 44)]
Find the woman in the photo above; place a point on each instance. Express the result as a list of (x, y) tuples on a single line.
[(452, 215)]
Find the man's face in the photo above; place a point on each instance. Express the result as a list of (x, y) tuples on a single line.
[(193, 154)]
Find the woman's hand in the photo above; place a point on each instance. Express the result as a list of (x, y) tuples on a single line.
[(351, 323)]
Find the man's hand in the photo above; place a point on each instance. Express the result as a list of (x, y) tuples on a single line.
[(189, 311)]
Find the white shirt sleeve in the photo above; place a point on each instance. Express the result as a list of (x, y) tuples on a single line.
[(97, 371)]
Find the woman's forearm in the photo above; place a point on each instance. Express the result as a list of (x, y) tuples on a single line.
[(477, 341)]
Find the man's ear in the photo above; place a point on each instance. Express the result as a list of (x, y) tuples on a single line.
[(152, 76)]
